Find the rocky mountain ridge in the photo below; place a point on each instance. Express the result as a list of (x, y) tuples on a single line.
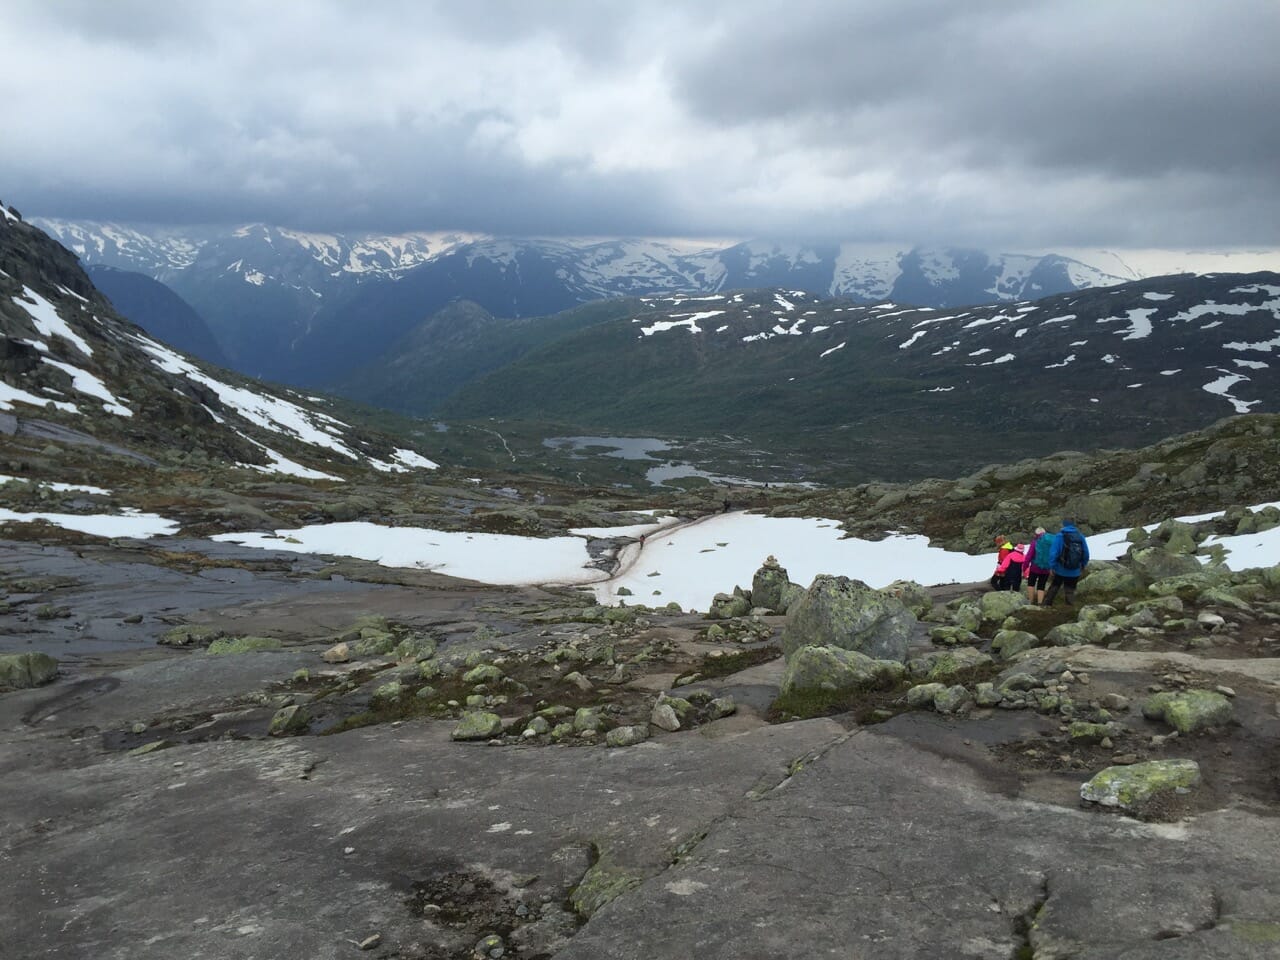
[(284, 304)]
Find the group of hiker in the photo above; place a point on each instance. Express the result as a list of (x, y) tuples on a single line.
[(1050, 563)]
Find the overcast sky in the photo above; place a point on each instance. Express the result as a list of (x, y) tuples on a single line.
[(1121, 123)]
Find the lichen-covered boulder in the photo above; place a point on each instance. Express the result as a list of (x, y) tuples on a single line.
[(663, 716), (1009, 643), (484, 673), (914, 596), (1150, 564), (1186, 586), (627, 736), (478, 725), (768, 584), (1189, 711), (998, 604), (1076, 634), (921, 696), (835, 669), (721, 707), (953, 699), (1105, 580), (726, 606), (792, 594), (1096, 611), (387, 694), (1129, 788), (946, 667), (21, 670), (951, 636), (287, 720), (1082, 731), (840, 612), (338, 653)]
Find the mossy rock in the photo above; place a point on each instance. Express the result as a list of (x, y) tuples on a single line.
[(1076, 634), (1129, 788), (1189, 711), (845, 613), (190, 636), (998, 604), (288, 720), (946, 667), (229, 645), (19, 671), (627, 736), (485, 673), (387, 694), (951, 636), (914, 596), (604, 882), (1106, 580), (478, 725), (835, 669), (1152, 564), (1009, 643)]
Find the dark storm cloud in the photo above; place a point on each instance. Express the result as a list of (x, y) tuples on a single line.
[(987, 123)]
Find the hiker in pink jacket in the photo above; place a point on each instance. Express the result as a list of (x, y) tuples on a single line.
[(1008, 575)]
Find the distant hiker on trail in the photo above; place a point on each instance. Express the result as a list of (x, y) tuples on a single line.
[(1068, 557), (726, 505), (1008, 575), (1039, 565)]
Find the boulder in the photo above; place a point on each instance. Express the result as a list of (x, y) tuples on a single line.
[(835, 669), (953, 699), (726, 606), (1190, 710), (287, 720), (721, 707), (1076, 634), (478, 725), (998, 604), (663, 716), (1096, 611), (921, 696), (768, 584), (845, 613), (484, 673), (1106, 580), (792, 594), (1129, 788), (1158, 563), (338, 653), (1082, 731), (913, 596), (949, 636), (1009, 643), (946, 667), (21, 670), (627, 736), (387, 694)]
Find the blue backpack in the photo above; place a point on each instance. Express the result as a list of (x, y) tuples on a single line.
[(1072, 555), (1044, 550)]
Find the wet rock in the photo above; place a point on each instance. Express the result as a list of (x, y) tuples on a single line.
[(845, 613), (478, 725), (1130, 787), (836, 669), (1189, 711), (21, 670)]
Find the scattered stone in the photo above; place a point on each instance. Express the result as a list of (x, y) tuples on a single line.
[(1009, 643), (721, 707), (579, 681), (1225, 690), (588, 720), (953, 699), (484, 673), (387, 694), (921, 696), (1130, 787), (370, 942)]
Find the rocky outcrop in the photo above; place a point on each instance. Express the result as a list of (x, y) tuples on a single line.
[(845, 613), (834, 669)]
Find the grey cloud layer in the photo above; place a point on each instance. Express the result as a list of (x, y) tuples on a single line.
[(1136, 123)]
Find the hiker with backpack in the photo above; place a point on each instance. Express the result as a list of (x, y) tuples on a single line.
[(1068, 557), (1039, 566)]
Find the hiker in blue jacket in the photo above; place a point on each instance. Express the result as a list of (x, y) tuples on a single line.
[(1068, 557)]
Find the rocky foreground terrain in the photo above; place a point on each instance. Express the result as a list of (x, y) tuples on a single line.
[(241, 754)]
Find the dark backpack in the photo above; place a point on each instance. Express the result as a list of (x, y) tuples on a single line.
[(1072, 555)]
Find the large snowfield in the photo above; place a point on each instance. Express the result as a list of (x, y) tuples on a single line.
[(685, 562)]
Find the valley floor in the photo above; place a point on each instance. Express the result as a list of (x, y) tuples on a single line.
[(149, 815)]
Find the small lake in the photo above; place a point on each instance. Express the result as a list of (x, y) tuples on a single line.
[(641, 448)]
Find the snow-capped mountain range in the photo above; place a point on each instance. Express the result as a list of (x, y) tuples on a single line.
[(306, 308)]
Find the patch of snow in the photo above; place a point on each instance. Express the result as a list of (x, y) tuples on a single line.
[(1062, 319), (45, 317), (1251, 364), (1004, 358), (11, 395), (978, 353), (1109, 358), (1158, 296), (940, 390), (133, 524), (914, 337), (414, 460), (1139, 324), (1222, 388), (84, 382), (839, 346), (1170, 373), (1054, 366), (1020, 333), (58, 487), (690, 321)]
